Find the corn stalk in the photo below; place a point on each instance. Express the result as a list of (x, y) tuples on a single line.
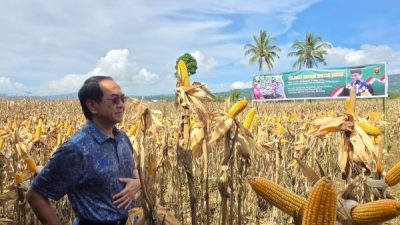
[(185, 157)]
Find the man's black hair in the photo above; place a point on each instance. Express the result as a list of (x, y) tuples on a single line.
[(356, 70), (91, 90)]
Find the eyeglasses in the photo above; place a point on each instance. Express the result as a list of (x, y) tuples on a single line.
[(117, 99)]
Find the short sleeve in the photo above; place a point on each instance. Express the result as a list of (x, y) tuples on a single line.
[(61, 174)]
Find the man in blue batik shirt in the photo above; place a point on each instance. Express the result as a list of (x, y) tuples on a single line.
[(95, 167)]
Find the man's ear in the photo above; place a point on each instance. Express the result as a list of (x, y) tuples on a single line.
[(92, 106)]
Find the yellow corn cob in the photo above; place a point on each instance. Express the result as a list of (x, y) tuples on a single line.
[(278, 196), (347, 106), (192, 122), (1, 143), (376, 140), (22, 148), (38, 132), (367, 127), (279, 128), (66, 124), (237, 108), (320, 208), (14, 125), (393, 175), (375, 212), (133, 129), (19, 177), (30, 164), (59, 139), (70, 131), (249, 118), (183, 73), (254, 123)]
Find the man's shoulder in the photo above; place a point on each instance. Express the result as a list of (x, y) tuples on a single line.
[(78, 139), (123, 134)]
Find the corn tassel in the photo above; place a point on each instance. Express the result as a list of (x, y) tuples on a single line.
[(30, 164), (320, 208), (367, 127), (278, 196), (237, 108), (375, 212), (393, 175), (183, 74), (249, 118)]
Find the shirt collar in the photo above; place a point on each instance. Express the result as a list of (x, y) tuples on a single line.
[(98, 135)]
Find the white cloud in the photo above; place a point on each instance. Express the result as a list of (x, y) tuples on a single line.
[(115, 63), (367, 54), (204, 64), (145, 77), (68, 84), (9, 86), (241, 85)]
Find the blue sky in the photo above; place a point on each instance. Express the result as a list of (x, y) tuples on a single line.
[(51, 47)]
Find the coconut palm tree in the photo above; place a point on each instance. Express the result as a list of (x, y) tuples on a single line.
[(263, 49), (310, 52)]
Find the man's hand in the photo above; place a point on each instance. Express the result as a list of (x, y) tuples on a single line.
[(125, 197)]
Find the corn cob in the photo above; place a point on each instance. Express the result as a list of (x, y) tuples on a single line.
[(59, 139), (393, 175), (376, 140), (347, 106), (375, 212), (237, 108), (38, 132), (66, 124), (320, 208), (278, 196), (249, 118), (30, 164), (1, 143), (70, 131), (183, 73), (133, 129), (19, 177), (254, 123), (367, 127)]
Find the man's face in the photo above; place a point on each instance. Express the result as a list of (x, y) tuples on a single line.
[(111, 108), (355, 76)]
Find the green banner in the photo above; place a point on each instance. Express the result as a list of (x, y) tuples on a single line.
[(370, 80)]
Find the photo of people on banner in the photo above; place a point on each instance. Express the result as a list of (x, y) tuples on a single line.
[(364, 86), (268, 87)]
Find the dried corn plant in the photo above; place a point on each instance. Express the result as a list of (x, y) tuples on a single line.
[(278, 134), (144, 128)]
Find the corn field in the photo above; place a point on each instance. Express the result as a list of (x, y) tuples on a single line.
[(199, 177)]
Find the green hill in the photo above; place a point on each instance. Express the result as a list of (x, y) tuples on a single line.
[(394, 83)]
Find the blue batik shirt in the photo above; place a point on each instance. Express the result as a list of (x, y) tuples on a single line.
[(87, 168)]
